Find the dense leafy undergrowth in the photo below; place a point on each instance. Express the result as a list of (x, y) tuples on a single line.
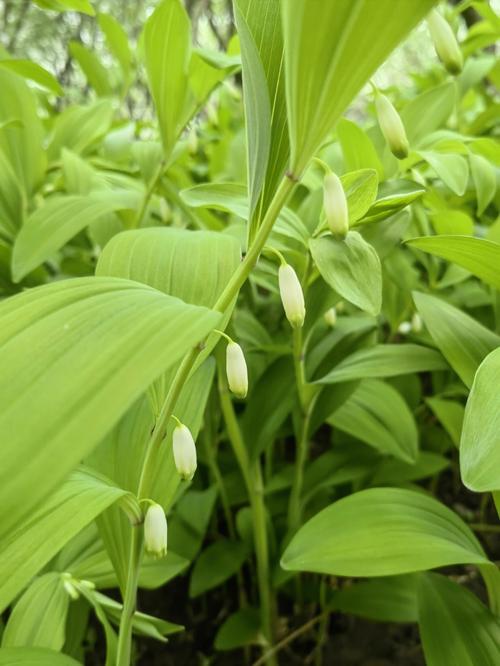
[(313, 300)]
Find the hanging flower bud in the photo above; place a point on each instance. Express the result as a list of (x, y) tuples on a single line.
[(445, 42), (291, 295), (155, 531), (392, 126), (335, 205), (184, 452), (416, 323), (404, 327), (236, 370), (330, 317)]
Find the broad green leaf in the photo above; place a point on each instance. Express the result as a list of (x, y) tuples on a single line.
[(55, 223), (376, 414), (392, 471), (326, 65), (188, 525), (21, 144), (12, 200), (167, 49), (79, 127), (33, 72), (385, 361), (68, 510), (452, 222), (485, 181), (94, 71), (428, 111), (391, 599), (117, 40), (351, 267), (38, 618), (240, 628), (75, 355), (357, 148), (216, 564), (462, 340), (455, 627), (34, 657), (479, 256), (393, 196), (453, 169), (480, 443), (382, 532), (192, 265)]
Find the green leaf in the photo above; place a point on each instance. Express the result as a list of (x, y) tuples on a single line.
[(479, 256), (21, 144), (451, 416), (216, 564), (357, 148), (393, 196), (167, 50), (52, 225), (12, 200), (75, 355), (257, 101), (189, 523), (453, 169), (361, 191), (33, 72), (64, 514), (385, 361), (94, 71), (376, 414), (239, 629), (480, 443), (34, 657), (117, 40), (381, 532), (391, 599), (462, 340), (351, 267), (38, 618), (485, 181), (79, 127), (428, 111), (325, 64), (83, 6), (455, 627)]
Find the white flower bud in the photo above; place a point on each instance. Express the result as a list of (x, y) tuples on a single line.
[(236, 370), (291, 295), (404, 327), (392, 126), (445, 42), (155, 531), (335, 205), (184, 452), (330, 317)]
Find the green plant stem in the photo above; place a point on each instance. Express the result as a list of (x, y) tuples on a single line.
[(288, 639), (252, 475), (148, 194), (129, 600), (223, 303)]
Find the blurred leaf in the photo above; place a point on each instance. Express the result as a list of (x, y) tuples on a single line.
[(239, 629), (351, 267), (34, 657), (485, 181), (451, 416), (33, 72), (218, 562), (117, 40), (428, 111), (357, 148), (79, 127), (83, 6), (380, 532), (167, 48), (451, 168), (94, 71)]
